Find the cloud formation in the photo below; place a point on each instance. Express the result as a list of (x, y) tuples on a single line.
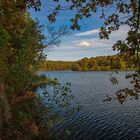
[(94, 43), (87, 33), (84, 44)]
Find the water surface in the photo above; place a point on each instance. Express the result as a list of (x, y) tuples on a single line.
[(98, 120)]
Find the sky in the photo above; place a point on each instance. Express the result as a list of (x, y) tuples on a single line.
[(78, 44)]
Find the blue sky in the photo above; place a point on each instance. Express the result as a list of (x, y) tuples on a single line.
[(79, 44)]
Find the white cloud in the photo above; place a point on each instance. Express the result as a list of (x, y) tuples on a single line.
[(87, 33), (93, 43), (96, 42), (84, 44), (118, 34)]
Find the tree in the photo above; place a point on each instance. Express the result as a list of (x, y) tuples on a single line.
[(22, 46), (75, 67), (84, 64)]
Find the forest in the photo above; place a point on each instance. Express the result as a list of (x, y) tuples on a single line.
[(99, 63)]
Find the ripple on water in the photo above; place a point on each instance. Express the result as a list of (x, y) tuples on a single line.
[(98, 120)]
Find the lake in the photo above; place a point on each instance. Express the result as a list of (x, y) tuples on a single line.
[(97, 120)]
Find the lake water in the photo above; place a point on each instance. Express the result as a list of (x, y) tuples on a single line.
[(98, 120)]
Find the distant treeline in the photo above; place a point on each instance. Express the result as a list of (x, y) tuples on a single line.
[(100, 63)]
